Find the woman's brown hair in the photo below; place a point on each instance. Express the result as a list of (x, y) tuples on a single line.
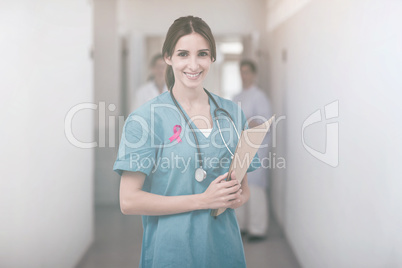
[(181, 27)]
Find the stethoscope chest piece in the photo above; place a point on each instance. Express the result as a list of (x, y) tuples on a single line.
[(200, 174)]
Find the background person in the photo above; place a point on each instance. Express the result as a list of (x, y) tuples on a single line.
[(156, 84), (253, 217)]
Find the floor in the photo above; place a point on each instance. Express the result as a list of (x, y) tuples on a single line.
[(118, 244)]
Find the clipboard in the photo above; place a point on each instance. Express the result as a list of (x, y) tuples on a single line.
[(248, 145)]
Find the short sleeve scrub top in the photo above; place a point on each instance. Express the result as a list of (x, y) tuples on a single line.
[(153, 143)]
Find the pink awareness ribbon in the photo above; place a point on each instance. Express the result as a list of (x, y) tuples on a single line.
[(176, 134)]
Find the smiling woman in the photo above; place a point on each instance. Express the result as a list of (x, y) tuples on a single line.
[(175, 199), (191, 61), (173, 43)]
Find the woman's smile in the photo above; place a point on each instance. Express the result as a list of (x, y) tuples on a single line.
[(193, 76)]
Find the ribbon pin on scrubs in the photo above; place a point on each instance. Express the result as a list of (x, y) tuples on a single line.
[(176, 135), (200, 173)]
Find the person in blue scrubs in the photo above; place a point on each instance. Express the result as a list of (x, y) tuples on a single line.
[(164, 142)]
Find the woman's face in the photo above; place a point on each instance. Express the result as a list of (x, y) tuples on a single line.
[(190, 61)]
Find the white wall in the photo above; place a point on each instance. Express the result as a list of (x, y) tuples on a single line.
[(224, 17), (107, 84), (46, 197), (346, 51)]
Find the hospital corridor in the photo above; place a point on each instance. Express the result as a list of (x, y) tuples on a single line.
[(114, 235), (326, 191)]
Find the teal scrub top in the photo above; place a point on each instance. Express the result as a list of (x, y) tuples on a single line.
[(191, 239)]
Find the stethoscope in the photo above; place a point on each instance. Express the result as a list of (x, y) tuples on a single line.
[(200, 173)]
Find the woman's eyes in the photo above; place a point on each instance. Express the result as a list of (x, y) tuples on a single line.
[(185, 54)]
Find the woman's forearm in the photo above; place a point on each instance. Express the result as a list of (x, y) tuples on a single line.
[(144, 203), (135, 201)]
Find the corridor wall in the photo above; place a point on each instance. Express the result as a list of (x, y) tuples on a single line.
[(46, 193), (340, 60)]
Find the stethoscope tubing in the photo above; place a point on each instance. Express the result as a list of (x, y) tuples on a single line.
[(219, 128), (189, 124), (215, 118)]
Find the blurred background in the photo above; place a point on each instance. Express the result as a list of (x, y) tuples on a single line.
[(69, 71)]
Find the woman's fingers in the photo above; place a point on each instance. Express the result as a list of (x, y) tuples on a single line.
[(231, 199), (220, 178), (233, 175), (232, 189), (230, 184), (233, 203), (235, 195), (236, 202), (222, 183), (222, 193)]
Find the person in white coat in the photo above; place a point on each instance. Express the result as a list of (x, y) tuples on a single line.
[(253, 217), (156, 84)]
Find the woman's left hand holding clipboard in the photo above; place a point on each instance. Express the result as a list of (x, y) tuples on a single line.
[(225, 193)]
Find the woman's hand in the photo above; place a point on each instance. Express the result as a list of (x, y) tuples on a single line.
[(222, 194), (243, 197)]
